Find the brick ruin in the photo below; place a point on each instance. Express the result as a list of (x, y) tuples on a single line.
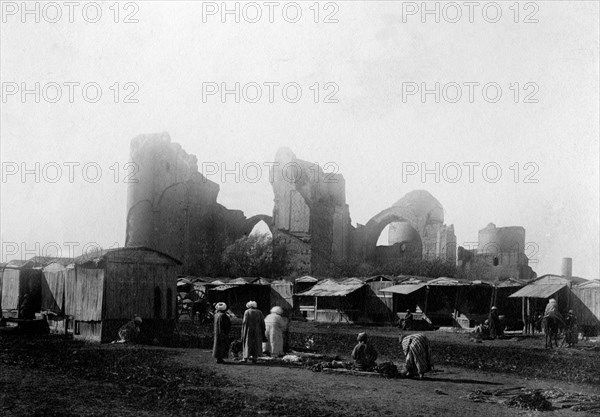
[(173, 208), (502, 250)]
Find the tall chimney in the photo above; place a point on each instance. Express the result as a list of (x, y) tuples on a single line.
[(567, 267)]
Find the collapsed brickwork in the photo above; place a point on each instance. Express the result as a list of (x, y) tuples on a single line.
[(502, 250), (173, 208), (311, 207)]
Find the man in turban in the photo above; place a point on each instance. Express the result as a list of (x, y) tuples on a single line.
[(253, 331), (222, 326)]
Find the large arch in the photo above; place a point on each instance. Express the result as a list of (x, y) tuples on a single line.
[(418, 208), (375, 226)]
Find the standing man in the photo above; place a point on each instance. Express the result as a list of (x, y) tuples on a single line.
[(253, 331), (494, 320), (222, 326)]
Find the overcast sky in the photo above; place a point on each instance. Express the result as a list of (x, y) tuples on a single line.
[(370, 133)]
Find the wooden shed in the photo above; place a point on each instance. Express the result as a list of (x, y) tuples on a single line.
[(20, 278), (333, 301), (585, 302), (109, 287)]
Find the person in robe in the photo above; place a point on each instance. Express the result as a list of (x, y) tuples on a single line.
[(364, 354), (253, 332), (130, 331), (494, 323), (222, 326), (407, 323), (27, 309), (275, 326), (570, 329), (417, 351)]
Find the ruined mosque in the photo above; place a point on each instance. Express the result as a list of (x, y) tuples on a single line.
[(173, 208)]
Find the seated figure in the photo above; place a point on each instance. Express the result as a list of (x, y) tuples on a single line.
[(364, 354)]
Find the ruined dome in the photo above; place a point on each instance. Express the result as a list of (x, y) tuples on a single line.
[(423, 205)]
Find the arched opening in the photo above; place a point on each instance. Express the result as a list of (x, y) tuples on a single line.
[(398, 241), (169, 303), (157, 303), (496, 261), (261, 228)]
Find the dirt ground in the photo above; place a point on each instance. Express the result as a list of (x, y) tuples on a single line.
[(51, 376)]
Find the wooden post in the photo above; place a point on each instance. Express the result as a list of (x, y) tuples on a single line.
[(315, 313), (523, 315)]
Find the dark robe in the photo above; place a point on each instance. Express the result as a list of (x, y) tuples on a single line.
[(494, 321), (221, 335), (253, 332)]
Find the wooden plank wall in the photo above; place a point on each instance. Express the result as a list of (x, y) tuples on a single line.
[(585, 302), (130, 290)]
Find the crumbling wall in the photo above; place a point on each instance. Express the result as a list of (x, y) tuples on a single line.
[(311, 205), (502, 249), (173, 208)]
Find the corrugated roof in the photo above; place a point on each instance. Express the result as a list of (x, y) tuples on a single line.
[(329, 288), (538, 290), (403, 288)]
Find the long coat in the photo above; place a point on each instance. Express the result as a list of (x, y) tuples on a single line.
[(221, 335), (275, 327), (253, 332)]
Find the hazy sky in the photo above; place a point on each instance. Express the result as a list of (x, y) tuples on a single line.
[(372, 134)]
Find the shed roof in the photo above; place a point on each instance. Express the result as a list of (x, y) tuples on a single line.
[(46, 260), (329, 288), (403, 288), (306, 278), (590, 284), (134, 254), (538, 290), (556, 279)]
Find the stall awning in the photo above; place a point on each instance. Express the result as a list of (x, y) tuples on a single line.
[(538, 291), (403, 289), (329, 288)]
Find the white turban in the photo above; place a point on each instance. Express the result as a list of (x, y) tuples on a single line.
[(251, 304), (277, 310), (221, 307), (138, 319)]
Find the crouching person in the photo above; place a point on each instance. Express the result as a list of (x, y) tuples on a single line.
[(364, 354), (130, 331), (418, 354)]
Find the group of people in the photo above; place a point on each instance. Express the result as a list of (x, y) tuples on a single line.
[(260, 335), (416, 349)]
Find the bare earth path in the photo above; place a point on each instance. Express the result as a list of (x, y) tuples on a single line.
[(379, 396)]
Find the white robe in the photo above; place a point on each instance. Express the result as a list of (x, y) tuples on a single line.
[(275, 326)]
